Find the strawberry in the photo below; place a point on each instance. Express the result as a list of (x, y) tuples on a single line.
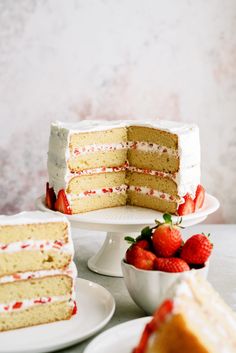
[(62, 204), (75, 309), (143, 243), (171, 264), (197, 249), (159, 317), (140, 258), (166, 238), (50, 197), (187, 207), (17, 305), (199, 198)]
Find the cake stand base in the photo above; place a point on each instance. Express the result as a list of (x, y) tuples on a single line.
[(108, 259)]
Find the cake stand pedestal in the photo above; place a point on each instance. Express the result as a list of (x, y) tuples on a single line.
[(119, 222)]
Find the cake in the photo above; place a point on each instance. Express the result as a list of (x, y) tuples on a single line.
[(37, 273), (193, 318), (99, 164)]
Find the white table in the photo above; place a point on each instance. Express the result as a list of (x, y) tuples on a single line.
[(222, 272)]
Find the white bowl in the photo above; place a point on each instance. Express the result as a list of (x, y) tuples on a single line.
[(149, 288)]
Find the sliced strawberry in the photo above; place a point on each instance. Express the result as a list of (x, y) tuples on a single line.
[(62, 204), (187, 207), (159, 317), (50, 197), (75, 308), (200, 197), (17, 305), (171, 264)]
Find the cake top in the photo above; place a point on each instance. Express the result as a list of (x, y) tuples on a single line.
[(30, 217), (102, 125)]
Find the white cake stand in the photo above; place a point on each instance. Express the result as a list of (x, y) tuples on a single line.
[(119, 222)]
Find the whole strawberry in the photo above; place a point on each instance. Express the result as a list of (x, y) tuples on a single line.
[(140, 258), (166, 238), (197, 249), (171, 264)]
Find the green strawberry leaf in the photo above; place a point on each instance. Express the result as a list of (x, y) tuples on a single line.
[(167, 218), (146, 233), (130, 240)]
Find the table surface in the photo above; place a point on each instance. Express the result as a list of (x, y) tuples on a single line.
[(222, 273)]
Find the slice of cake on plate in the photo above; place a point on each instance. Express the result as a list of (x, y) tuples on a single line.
[(193, 318), (99, 164), (37, 274)]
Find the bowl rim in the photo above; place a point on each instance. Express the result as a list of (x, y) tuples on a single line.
[(124, 263)]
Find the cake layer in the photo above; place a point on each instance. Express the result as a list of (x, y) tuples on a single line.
[(35, 288), (151, 135), (160, 183), (115, 135), (24, 261), (98, 159), (97, 181), (95, 202), (139, 199), (49, 231), (154, 161), (169, 337), (36, 315)]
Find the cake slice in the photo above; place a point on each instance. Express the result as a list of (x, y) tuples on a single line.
[(193, 319), (37, 275)]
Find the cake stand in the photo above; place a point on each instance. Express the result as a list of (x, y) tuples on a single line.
[(119, 222)]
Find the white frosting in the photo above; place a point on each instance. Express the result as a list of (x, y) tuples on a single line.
[(187, 178), (32, 217), (70, 271), (26, 303)]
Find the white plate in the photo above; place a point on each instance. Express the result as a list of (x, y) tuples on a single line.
[(131, 215), (119, 339), (95, 308)]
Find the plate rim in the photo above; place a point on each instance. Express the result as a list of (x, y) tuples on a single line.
[(104, 334), (39, 203), (65, 343)]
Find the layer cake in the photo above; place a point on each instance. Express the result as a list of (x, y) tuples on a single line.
[(98, 164), (37, 273)]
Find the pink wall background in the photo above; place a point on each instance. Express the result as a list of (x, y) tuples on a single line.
[(65, 60)]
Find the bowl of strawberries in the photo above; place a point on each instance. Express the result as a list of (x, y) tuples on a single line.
[(158, 257)]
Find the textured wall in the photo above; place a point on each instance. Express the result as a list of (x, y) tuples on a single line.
[(115, 59)]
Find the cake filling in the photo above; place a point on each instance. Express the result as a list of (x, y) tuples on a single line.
[(29, 245), (27, 303), (116, 189), (154, 193), (123, 189), (19, 276), (136, 145)]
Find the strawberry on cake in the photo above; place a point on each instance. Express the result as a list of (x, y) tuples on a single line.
[(99, 164), (37, 273)]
